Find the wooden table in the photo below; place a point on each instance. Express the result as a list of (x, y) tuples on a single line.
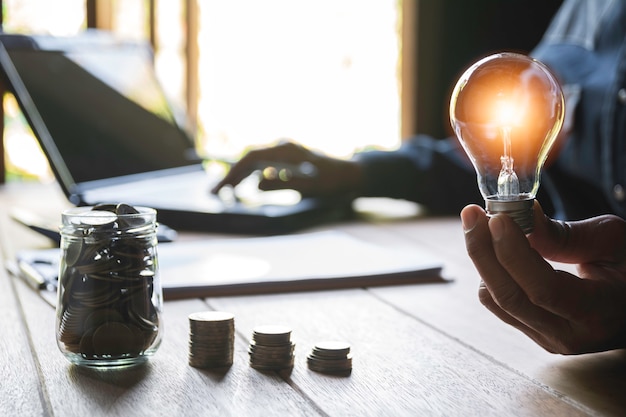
[(426, 349)]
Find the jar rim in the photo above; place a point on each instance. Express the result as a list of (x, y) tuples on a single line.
[(74, 211), (98, 221)]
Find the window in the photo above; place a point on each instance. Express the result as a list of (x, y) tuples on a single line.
[(324, 72), (23, 157)]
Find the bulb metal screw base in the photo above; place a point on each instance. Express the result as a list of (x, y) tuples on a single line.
[(521, 211)]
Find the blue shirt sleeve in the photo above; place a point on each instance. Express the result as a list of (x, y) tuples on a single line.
[(434, 173)]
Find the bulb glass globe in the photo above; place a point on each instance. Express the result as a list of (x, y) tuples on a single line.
[(507, 110)]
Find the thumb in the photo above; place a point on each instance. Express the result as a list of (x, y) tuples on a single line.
[(601, 238)]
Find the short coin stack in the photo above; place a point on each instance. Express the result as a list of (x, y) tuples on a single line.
[(330, 357), (211, 339), (271, 348)]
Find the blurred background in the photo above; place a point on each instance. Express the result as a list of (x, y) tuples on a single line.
[(336, 75)]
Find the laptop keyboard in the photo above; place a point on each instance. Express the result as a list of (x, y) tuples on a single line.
[(192, 190)]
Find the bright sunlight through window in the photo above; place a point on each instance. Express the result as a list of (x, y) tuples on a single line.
[(324, 73), (321, 72)]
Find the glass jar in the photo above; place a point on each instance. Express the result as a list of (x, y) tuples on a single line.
[(109, 298)]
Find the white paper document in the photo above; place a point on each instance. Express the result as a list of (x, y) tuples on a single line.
[(308, 261), (257, 265)]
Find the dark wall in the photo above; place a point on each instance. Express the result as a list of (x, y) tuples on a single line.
[(452, 34)]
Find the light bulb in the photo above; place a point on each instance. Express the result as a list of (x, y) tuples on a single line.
[(507, 110)]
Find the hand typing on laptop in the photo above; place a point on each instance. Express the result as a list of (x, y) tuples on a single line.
[(288, 165), (142, 156)]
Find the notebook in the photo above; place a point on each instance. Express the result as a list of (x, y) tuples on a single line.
[(102, 119)]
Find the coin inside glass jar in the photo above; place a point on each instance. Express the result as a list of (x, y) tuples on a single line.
[(109, 291)]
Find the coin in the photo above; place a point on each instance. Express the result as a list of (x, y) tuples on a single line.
[(98, 218), (271, 348), (331, 357), (331, 349), (211, 316), (127, 216), (211, 339), (105, 207), (107, 284), (330, 365), (123, 208), (272, 334), (113, 339)]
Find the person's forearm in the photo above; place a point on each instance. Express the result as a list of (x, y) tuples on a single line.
[(425, 170)]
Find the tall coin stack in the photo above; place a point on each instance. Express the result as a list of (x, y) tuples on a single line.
[(330, 357), (211, 339), (271, 348)]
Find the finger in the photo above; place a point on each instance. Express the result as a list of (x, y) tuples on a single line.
[(504, 289), (552, 291), (299, 184), (487, 300), (288, 152), (589, 240), (260, 159), (238, 172)]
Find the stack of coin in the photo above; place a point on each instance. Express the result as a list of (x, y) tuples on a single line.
[(271, 348), (211, 339), (330, 357)]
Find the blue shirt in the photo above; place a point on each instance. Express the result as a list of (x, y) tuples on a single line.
[(585, 46)]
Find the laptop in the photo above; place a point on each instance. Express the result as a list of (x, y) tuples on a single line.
[(103, 121)]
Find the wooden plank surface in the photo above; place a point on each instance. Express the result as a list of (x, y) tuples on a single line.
[(167, 385), (455, 310), (401, 367), (427, 349), (20, 391)]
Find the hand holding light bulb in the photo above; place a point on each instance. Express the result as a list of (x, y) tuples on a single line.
[(507, 110)]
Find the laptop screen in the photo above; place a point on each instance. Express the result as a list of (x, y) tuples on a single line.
[(104, 109)]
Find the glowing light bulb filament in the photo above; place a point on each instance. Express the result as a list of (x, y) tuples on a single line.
[(508, 183), (505, 113)]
